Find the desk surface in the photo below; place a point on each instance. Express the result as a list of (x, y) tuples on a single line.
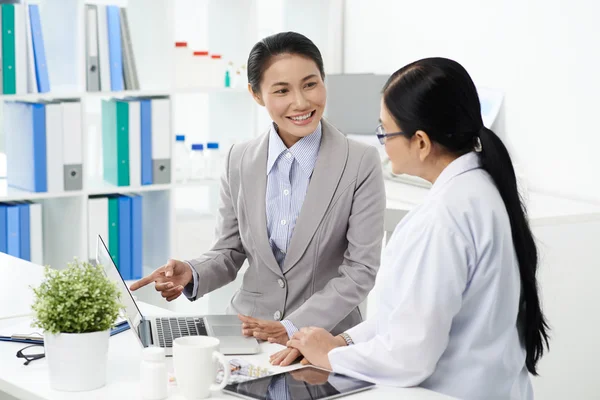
[(31, 382), (542, 208)]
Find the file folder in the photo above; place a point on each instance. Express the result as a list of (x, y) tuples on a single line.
[(3, 228), (115, 141), (24, 233), (98, 223), (146, 141), (129, 68), (13, 230), (91, 48), (125, 237), (36, 234), (20, 49), (25, 135), (39, 52), (161, 140), (136, 237), (73, 146), (103, 53), (135, 145), (54, 147), (115, 52), (32, 86), (113, 230), (9, 76)]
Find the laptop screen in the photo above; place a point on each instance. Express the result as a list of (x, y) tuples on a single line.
[(132, 312)]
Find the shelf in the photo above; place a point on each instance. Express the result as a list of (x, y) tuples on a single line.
[(121, 94), (100, 187), (13, 194)]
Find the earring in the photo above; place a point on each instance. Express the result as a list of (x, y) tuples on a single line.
[(477, 144)]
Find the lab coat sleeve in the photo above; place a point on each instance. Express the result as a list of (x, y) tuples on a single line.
[(364, 331), (221, 263), (342, 294), (430, 274)]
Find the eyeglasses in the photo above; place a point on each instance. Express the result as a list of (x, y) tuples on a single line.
[(382, 136), (31, 353)]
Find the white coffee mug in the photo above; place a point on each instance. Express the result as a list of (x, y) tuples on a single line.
[(195, 361)]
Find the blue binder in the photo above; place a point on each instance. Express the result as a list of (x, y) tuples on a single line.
[(136, 237), (3, 228), (24, 232), (25, 133), (125, 237), (13, 231), (39, 52), (146, 139), (115, 54)]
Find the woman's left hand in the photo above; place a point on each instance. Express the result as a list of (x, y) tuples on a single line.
[(315, 345), (273, 331)]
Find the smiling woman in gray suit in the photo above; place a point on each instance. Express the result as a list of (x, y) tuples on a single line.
[(302, 203)]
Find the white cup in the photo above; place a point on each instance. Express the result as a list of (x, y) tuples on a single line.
[(195, 361)]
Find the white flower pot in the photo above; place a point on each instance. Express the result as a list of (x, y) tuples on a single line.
[(77, 361)]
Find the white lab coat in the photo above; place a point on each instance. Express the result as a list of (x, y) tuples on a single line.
[(449, 288)]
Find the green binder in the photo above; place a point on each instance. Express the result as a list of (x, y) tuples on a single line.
[(115, 141), (113, 229), (9, 76)]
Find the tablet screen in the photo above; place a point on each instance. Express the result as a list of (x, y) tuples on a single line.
[(307, 383)]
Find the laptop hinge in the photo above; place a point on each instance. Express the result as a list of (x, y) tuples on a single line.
[(145, 332)]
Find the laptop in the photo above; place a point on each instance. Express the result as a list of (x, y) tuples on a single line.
[(161, 331)]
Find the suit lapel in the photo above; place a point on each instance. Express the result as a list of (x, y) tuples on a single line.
[(254, 185), (328, 170)]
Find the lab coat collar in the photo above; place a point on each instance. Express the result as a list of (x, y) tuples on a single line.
[(462, 164)]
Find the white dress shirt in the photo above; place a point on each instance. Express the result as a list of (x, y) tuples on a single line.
[(448, 297)]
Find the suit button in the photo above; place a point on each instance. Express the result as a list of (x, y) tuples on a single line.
[(277, 315), (281, 283)]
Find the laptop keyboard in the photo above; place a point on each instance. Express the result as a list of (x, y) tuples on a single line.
[(170, 329)]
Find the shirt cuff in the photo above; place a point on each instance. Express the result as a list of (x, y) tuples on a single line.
[(289, 327), (191, 292)]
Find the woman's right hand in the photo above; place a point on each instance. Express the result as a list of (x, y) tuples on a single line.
[(169, 280), (286, 357)]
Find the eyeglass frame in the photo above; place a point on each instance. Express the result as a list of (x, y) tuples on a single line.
[(383, 136), (31, 357)]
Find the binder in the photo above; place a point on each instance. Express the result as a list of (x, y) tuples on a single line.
[(104, 60), (136, 237), (113, 229), (13, 230), (146, 141), (24, 232), (125, 237), (20, 49), (36, 233), (135, 146), (32, 86), (3, 228), (129, 69), (39, 51), (97, 223), (9, 76), (91, 48), (114, 48), (115, 141), (161, 140), (54, 148), (25, 135), (72, 145)]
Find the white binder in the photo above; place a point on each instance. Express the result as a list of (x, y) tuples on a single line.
[(72, 168), (103, 49), (97, 223), (161, 140), (36, 233), (54, 147), (31, 77), (135, 144), (20, 49)]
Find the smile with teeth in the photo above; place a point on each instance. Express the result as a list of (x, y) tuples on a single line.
[(302, 117)]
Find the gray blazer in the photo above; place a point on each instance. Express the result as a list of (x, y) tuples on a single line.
[(335, 249)]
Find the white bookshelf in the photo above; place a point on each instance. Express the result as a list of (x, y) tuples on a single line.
[(225, 115)]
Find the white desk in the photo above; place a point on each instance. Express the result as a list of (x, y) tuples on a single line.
[(31, 382), (542, 209)]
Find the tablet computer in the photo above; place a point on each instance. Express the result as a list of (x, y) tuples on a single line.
[(308, 383)]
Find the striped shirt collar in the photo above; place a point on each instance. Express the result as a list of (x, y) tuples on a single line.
[(305, 150)]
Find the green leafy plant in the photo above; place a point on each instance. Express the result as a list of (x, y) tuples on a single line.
[(77, 299)]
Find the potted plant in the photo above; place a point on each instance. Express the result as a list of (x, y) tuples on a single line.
[(76, 307)]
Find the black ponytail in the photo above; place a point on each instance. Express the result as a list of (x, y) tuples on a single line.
[(533, 326), (437, 95)]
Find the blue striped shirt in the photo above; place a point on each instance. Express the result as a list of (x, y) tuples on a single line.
[(288, 176)]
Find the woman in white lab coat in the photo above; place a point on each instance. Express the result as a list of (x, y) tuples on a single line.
[(459, 311)]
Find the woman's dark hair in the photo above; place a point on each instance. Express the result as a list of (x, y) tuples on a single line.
[(437, 96), (280, 43)]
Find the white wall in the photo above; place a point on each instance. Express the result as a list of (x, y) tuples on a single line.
[(543, 53)]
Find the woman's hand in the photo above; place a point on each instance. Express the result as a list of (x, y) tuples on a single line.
[(315, 345), (285, 357), (169, 280), (273, 331)]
